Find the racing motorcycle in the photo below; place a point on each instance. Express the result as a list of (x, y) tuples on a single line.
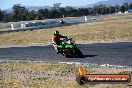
[(68, 48)]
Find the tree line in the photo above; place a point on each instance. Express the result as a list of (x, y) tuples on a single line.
[(20, 13)]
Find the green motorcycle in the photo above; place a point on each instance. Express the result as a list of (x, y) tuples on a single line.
[(68, 48)]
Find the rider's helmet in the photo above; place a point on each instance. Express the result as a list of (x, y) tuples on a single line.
[(55, 33)]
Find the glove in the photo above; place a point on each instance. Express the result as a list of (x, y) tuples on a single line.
[(68, 37)]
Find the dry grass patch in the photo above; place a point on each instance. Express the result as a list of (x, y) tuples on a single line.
[(22, 74), (106, 29)]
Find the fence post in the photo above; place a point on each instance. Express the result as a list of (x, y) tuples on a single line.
[(22, 25), (12, 27), (86, 18)]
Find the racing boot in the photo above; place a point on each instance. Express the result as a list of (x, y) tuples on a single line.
[(57, 51)]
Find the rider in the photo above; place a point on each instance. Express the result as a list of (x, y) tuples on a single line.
[(56, 40), (62, 21)]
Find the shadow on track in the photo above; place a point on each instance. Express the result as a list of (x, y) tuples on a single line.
[(90, 56), (85, 56)]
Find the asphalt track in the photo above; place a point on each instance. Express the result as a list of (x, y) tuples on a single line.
[(48, 24), (99, 53)]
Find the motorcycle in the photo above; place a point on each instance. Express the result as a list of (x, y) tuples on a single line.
[(68, 48)]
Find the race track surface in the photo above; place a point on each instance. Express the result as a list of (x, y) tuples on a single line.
[(100, 53)]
